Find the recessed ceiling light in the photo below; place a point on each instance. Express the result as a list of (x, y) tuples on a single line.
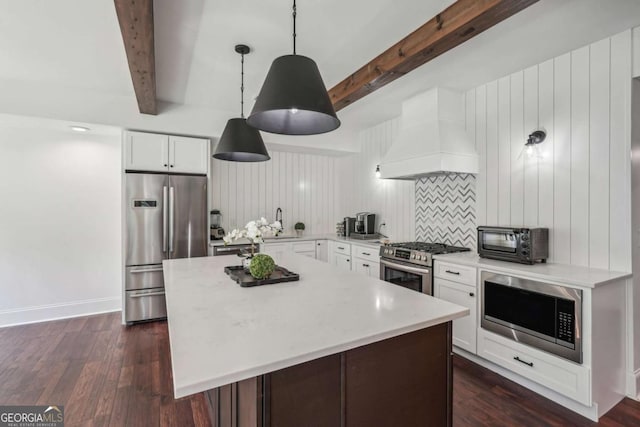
[(79, 129)]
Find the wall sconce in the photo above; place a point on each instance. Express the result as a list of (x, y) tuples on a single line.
[(532, 147), (377, 171)]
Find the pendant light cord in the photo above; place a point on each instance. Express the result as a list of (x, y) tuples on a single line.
[(242, 86), (294, 26)]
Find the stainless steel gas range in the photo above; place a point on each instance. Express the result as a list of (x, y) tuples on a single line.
[(410, 264)]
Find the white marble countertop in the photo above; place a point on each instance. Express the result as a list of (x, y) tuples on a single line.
[(305, 238), (561, 273), (221, 333)]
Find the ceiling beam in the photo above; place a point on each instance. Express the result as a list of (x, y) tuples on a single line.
[(136, 25), (453, 26)]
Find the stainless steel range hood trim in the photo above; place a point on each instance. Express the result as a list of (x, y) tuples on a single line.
[(437, 163)]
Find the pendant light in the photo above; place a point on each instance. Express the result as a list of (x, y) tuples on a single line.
[(293, 99), (240, 142)]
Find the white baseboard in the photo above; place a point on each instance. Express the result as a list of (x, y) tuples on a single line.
[(633, 385), (42, 313)]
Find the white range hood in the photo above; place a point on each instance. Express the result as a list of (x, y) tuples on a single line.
[(432, 138)]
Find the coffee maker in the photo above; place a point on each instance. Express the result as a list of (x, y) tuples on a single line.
[(349, 225), (365, 223)]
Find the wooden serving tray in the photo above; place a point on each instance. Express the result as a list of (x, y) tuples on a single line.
[(246, 280)]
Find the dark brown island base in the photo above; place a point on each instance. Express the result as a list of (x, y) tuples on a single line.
[(401, 381)]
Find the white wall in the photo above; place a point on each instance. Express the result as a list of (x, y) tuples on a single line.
[(302, 185), (392, 201), (60, 251)]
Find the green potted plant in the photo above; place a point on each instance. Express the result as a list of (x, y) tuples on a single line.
[(299, 227)]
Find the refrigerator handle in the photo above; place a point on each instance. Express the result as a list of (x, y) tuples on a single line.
[(171, 217), (164, 218)]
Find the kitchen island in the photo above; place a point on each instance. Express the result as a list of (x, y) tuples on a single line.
[(335, 348)]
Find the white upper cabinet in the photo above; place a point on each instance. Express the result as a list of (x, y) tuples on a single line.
[(147, 151), (165, 153), (188, 155)]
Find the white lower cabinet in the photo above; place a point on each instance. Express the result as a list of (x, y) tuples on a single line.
[(366, 260), (322, 250), (564, 377), (340, 255), (465, 328), (276, 249), (343, 262), (457, 284)]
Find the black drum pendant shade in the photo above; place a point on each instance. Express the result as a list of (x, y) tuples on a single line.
[(240, 142), (293, 99)]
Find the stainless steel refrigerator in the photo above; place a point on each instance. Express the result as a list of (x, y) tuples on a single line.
[(166, 218)]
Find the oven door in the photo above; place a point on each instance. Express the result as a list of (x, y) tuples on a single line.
[(406, 275), (499, 241)]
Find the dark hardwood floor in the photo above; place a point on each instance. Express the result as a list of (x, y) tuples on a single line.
[(108, 375)]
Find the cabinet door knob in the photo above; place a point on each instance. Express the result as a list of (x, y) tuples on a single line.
[(471, 294), (171, 166), (165, 165)]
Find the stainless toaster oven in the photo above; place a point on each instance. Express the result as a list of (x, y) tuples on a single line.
[(523, 245)]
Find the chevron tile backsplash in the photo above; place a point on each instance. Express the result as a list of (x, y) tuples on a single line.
[(446, 209)]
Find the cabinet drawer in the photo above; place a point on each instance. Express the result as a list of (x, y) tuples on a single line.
[(145, 304), (143, 277), (368, 253), (559, 375), (456, 273), (304, 246), (342, 248)]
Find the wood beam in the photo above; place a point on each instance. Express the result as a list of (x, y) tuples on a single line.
[(136, 25), (456, 24)]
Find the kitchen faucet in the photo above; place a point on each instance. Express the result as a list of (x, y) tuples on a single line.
[(279, 217)]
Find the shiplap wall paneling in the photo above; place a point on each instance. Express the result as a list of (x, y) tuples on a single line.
[(517, 146), (619, 149), (579, 185), (302, 185), (492, 184), (481, 147), (562, 159), (504, 152), (530, 123), (580, 156), (545, 164), (393, 201), (599, 154)]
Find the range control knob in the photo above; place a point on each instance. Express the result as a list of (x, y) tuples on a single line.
[(525, 237), (525, 253), (524, 245), (413, 256)]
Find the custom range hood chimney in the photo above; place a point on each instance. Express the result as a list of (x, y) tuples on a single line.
[(432, 138)]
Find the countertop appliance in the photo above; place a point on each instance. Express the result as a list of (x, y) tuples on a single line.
[(216, 231), (365, 223), (410, 264), (542, 315), (234, 249), (349, 226), (166, 218), (515, 244)]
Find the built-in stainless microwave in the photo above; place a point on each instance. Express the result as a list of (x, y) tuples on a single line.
[(542, 315), (523, 245)]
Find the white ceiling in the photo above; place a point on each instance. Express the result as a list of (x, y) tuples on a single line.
[(64, 59)]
